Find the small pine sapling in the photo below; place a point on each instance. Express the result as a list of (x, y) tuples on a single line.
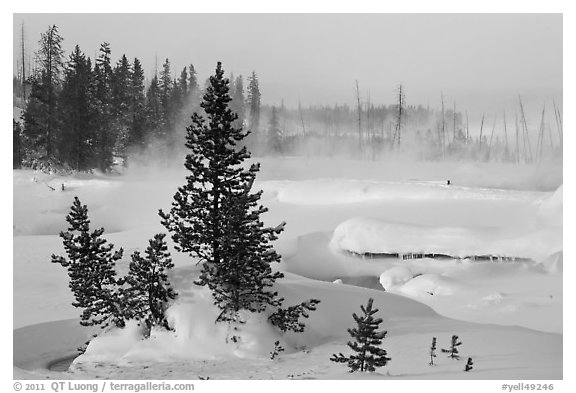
[(90, 265), (367, 340), (453, 350), (149, 289), (277, 349), (469, 365), (432, 351)]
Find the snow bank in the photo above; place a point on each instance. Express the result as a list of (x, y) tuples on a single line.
[(550, 209), (363, 235), (195, 335), (341, 191), (427, 285), (395, 276), (554, 263), (542, 176)]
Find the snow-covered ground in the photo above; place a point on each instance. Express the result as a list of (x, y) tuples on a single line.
[(506, 313)]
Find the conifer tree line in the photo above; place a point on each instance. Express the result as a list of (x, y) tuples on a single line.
[(82, 113)]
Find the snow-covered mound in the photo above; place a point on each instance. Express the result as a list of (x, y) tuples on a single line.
[(395, 276), (550, 210), (370, 236), (554, 263), (197, 336)]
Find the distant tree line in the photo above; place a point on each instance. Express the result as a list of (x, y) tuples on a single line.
[(82, 114)]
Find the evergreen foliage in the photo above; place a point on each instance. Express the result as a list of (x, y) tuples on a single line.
[(288, 318), (237, 104), (432, 351), (274, 133), (215, 216), (16, 145), (253, 102), (41, 115), (469, 365), (137, 109), (369, 355), (149, 290), (77, 136), (106, 139), (453, 350), (277, 350), (90, 263)]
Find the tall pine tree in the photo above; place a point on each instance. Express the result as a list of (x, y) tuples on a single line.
[(121, 102), (216, 217), (237, 104), (106, 139), (76, 144), (137, 110), (253, 101), (41, 115), (274, 133)]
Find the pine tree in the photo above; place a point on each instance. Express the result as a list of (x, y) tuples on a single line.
[(137, 132), (193, 87), (149, 288), (76, 144), (153, 109), (216, 217), (274, 133), (106, 139), (121, 102), (183, 84), (366, 345), (469, 365), (41, 113), (165, 91), (453, 350), (254, 109), (237, 104), (432, 351), (16, 145), (90, 265)]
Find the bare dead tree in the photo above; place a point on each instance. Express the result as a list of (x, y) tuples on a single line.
[(525, 131), (492, 135), (454, 124), (23, 64), (400, 113), (505, 133), (359, 118), (517, 136), (558, 118), (481, 129), (301, 117), (540, 147), (443, 124), (467, 129)]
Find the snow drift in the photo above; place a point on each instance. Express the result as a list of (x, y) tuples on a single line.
[(370, 236)]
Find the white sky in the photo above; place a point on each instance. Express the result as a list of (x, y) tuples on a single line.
[(482, 61)]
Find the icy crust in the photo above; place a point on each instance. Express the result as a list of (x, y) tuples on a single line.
[(371, 236)]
